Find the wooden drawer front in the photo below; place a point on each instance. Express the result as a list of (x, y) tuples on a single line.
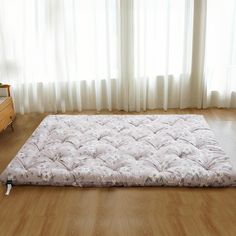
[(3, 105), (6, 117)]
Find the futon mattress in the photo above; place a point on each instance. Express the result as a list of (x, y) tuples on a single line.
[(121, 150)]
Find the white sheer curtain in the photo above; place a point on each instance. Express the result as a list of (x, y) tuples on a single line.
[(132, 55), (220, 58), (61, 54), (162, 54), (92, 54)]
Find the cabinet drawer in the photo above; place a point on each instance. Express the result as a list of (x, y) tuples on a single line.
[(7, 115), (4, 102)]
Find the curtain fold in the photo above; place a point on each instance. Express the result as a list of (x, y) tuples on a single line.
[(162, 53), (198, 53), (220, 54), (62, 55), (132, 55)]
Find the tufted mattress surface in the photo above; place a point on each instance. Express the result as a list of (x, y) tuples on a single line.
[(121, 150)]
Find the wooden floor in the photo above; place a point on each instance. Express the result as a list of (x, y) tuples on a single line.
[(31, 210)]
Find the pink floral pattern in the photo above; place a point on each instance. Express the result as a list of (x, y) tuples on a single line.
[(121, 150)]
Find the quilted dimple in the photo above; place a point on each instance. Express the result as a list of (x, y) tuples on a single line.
[(178, 150), (118, 140), (137, 151)]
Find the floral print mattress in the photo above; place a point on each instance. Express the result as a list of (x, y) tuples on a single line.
[(121, 150)]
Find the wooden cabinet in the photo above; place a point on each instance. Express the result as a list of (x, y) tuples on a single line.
[(7, 113)]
